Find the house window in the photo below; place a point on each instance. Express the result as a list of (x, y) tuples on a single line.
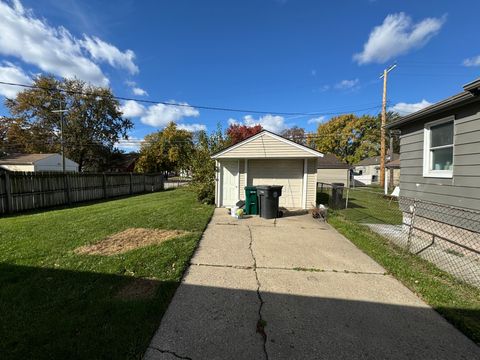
[(438, 149)]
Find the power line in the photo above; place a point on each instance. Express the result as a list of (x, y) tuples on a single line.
[(203, 107)]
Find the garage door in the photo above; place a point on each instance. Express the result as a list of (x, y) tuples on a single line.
[(288, 173)]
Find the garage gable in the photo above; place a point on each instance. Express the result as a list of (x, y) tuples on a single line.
[(267, 145)]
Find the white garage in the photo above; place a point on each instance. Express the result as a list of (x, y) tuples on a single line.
[(267, 159)]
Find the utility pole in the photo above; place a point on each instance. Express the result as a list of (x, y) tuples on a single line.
[(384, 122), (62, 143)]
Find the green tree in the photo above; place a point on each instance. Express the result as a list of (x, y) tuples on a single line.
[(92, 121), (166, 150), (203, 166), (350, 137)]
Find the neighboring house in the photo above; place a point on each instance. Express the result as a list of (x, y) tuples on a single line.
[(332, 170), (367, 171), (267, 159), (122, 163), (37, 162), (440, 150)]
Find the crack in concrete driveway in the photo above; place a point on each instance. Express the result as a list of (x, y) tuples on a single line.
[(322, 298), (261, 321)]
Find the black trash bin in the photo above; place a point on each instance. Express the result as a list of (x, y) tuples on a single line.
[(268, 196), (337, 200)]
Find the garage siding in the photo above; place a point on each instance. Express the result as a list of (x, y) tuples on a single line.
[(266, 146), (311, 183), (242, 179), (285, 172), (333, 176)]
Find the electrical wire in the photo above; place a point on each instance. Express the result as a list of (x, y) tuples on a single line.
[(203, 107)]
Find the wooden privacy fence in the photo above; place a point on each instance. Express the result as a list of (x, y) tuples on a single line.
[(21, 191)]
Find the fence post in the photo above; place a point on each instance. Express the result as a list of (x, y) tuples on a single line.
[(412, 220), (104, 186), (346, 201), (131, 184), (8, 192), (144, 182)]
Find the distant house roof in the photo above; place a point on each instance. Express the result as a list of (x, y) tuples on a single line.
[(23, 159), (375, 160), (123, 162), (330, 161), (395, 164), (469, 95)]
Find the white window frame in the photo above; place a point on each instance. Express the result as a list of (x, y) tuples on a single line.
[(427, 157)]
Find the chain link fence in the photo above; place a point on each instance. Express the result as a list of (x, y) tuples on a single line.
[(448, 237)]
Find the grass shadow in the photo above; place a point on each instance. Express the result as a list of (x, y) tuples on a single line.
[(52, 313)]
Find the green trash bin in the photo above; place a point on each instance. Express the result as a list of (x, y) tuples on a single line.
[(251, 200)]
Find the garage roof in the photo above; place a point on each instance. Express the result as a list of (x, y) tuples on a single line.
[(23, 159), (330, 161), (266, 144)]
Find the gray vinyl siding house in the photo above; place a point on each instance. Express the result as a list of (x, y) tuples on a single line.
[(440, 151)]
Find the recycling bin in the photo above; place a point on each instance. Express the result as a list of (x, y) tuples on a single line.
[(251, 200), (268, 197)]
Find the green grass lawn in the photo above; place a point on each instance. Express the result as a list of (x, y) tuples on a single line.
[(367, 205), (458, 302), (55, 303)]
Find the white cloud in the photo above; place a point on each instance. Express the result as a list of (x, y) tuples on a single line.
[(317, 120), (103, 51), (54, 49), (139, 91), (397, 36), (130, 144), (274, 123), (473, 61), (131, 108), (192, 127), (159, 115), (347, 84), (405, 108), (13, 74), (136, 90)]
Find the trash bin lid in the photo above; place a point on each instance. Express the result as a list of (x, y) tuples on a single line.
[(250, 187), (269, 187)]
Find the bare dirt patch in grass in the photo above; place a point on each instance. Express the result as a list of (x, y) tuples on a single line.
[(129, 239), (138, 289)]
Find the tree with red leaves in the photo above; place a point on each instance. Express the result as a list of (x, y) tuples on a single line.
[(237, 133)]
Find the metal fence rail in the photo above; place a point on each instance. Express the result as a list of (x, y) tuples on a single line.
[(23, 191), (447, 236)]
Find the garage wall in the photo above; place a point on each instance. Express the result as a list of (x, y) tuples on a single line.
[(311, 183), (288, 173), (18, 167), (242, 179), (333, 175), (266, 146)]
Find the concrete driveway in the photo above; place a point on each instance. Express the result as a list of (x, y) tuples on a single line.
[(294, 288)]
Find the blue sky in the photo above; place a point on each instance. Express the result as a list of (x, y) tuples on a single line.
[(277, 56)]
